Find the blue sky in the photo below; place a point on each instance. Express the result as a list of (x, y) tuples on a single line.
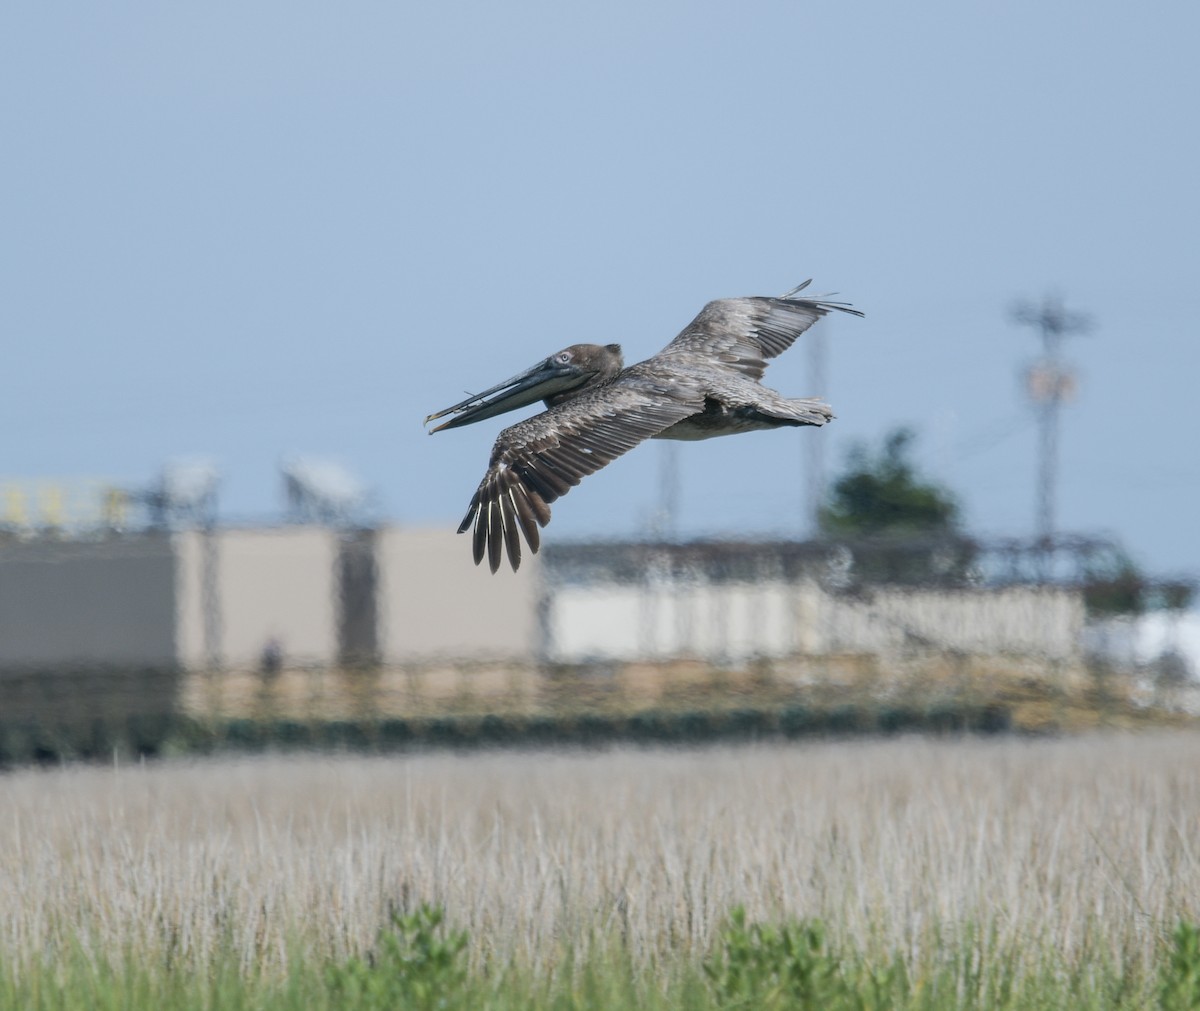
[(243, 231)]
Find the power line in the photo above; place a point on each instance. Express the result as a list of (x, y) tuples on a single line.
[(987, 438)]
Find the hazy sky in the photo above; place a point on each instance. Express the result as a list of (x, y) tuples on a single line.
[(241, 231)]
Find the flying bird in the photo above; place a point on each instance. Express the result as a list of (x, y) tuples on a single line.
[(703, 384)]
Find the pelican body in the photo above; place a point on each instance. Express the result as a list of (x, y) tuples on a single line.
[(705, 383)]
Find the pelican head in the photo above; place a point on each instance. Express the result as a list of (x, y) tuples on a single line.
[(553, 380)]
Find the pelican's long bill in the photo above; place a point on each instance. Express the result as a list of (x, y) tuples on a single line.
[(545, 379)]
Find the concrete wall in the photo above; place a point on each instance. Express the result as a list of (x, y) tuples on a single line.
[(434, 603), (1026, 621), (666, 620), (738, 620), (271, 584), (87, 603)]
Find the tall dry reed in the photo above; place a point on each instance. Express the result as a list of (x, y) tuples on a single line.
[(1084, 847)]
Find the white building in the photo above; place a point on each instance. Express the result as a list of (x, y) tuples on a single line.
[(738, 620)]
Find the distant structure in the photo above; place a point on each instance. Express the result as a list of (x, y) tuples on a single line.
[(321, 491), (249, 598), (727, 602), (185, 496), (191, 493), (1049, 382)]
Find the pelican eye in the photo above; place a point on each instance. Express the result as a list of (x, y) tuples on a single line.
[(563, 357)]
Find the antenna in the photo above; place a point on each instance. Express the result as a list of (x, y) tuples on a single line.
[(189, 491), (321, 491), (185, 494)]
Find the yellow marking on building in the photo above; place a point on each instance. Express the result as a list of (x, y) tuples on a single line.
[(16, 512)]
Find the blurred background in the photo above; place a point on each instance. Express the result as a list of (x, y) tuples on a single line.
[(246, 250)]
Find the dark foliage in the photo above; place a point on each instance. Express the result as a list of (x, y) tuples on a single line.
[(883, 494)]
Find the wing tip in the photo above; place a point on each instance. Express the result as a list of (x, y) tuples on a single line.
[(502, 510), (822, 302)]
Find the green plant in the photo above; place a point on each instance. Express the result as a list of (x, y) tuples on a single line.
[(416, 964), (784, 966), (1179, 988)]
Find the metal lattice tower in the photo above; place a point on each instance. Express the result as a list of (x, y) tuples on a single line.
[(1049, 382)]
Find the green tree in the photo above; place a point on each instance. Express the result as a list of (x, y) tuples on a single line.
[(882, 494)]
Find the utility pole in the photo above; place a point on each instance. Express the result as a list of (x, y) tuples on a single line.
[(668, 490), (210, 591), (814, 443), (1049, 382)]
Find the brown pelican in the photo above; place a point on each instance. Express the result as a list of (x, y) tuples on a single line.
[(703, 384)]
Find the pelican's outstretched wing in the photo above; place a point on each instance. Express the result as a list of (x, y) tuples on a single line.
[(542, 458), (742, 333)]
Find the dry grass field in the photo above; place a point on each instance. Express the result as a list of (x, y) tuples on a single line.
[(1084, 847)]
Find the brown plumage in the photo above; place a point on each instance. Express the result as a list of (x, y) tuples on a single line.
[(703, 384)]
